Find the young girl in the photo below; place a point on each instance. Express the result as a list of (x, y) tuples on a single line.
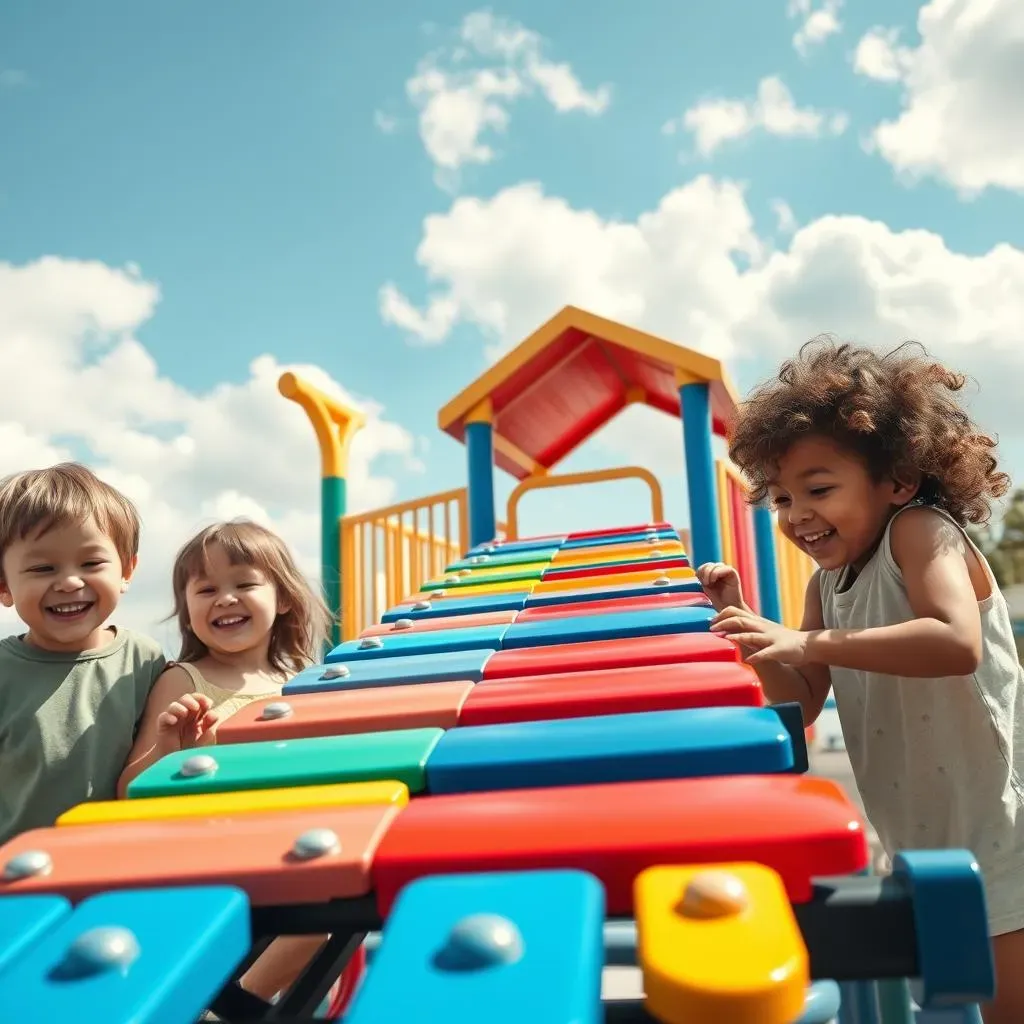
[(249, 621), (875, 470)]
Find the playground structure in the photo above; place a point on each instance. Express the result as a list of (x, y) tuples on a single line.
[(523, 760)]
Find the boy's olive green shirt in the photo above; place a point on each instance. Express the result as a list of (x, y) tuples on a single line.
[(67, 724)]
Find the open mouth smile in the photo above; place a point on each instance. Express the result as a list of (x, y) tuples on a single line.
[(813, 541), (70, 611), (230, 621)]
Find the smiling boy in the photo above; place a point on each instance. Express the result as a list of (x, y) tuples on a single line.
[(72, 688)]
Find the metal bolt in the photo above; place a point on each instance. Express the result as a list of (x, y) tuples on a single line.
[(198, 764), (101, 949), (714, 894), (402, 624), (317, 842), (336, 672), (370, 643), (662, 581), (421, 606), (30, 864), (453, 578), (656, 553), (276, 709), (438, 593), (482, 940)]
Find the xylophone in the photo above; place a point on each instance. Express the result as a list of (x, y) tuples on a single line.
[(540, 763)]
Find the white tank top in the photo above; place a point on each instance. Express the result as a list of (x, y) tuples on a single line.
[(938, 762)]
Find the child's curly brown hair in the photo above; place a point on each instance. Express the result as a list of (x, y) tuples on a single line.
[(897, 411)]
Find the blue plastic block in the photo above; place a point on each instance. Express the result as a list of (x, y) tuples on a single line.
[(617, 592), (614, 626), (509, 558), (821, 1004), (498, 947), (442, 607), (23, 920), (610, 748), (414, 668), (638, 537), (954, 954), (527, 544), (441, 641), (183, 945)]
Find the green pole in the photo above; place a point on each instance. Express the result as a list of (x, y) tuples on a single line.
[(332, 508)]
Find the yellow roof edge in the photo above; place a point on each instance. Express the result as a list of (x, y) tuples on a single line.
[(704, 367)]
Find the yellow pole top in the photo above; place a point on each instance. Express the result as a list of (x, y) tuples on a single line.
[(335, 423)]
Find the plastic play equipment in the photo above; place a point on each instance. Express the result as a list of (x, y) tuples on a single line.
[(536, 763)]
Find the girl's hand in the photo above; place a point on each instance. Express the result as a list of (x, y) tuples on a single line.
[(721, 585), (762, 639), (187, 722)]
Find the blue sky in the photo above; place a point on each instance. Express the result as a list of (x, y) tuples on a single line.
[(233, 153)]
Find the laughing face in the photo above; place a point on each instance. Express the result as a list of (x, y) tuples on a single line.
[(64, 582), (232, 608), (830, 505)]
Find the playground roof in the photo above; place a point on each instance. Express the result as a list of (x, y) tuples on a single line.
[(569, 378)]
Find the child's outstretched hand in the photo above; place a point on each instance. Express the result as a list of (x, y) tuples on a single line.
[(721, 584), (759, 638), (187, 722)]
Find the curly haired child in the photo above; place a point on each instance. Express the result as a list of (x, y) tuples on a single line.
[(875, 470)]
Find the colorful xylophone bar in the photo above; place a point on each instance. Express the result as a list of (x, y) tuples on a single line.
[(541, 741)]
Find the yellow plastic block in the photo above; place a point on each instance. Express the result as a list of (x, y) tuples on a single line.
[(204, 805), (483, 571), (601, 554), (718, 944), (479, 589), (638, 578)]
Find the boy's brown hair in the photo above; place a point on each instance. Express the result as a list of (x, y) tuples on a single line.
[(298, 635), (37, 500), (898, 411)]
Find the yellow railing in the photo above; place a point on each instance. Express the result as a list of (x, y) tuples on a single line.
[(532, 483), (795, 568), (390, 552), (795, 571)]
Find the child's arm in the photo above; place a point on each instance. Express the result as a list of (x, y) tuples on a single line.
[(944, 639), (171, 702), (809, 684)]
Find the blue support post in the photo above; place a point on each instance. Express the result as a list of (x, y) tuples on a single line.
[(767, 564), (480, 458), (705, 537)]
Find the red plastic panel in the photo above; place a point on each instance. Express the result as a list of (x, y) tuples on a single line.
[(624, 604), (609, 531), (638, 565), (445, 622), (374, 709), (603, 654), (800, 826), (613, 692), (252, 851)]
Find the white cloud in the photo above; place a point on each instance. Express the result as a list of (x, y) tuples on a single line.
[(785, 219), (386, 123), (465, 91), (961, 85), (714, 122), (693, 270), (817, 22), (87, 386)]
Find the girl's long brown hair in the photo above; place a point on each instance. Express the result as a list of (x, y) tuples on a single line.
[(298, 635)]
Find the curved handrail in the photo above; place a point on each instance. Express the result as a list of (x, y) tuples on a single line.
[(588, 477), (335, 423)]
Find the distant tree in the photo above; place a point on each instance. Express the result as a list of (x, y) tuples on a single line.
[(1003, 543)]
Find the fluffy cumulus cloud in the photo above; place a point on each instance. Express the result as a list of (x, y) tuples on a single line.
[(464, 92), (960, 86), (714, 122), (816, 22), (694, 269), (87, 388)]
